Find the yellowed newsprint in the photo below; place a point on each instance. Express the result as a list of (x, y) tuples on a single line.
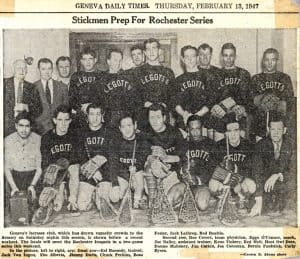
[(206, 185)]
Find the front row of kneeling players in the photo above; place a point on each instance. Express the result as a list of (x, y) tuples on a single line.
[(99, 161)]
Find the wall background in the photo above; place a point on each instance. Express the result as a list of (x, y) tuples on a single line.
[(250, 44)]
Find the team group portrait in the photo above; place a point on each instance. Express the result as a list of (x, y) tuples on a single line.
[(149, 128)]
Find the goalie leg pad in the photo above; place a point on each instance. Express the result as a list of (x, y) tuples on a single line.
[(85, 196)]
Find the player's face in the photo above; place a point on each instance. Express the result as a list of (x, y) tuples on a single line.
[(270, 62), (62, 122), (46, 70), (195, 130), (88, 62), (127, 128), (233, 133), (190, 58), (115, 61), (64, 69), (137, 56), (157, 120), (228, 56), (20, 69), (204, 57), (276, 130), (152, 51), (95, 117), (23, 128)]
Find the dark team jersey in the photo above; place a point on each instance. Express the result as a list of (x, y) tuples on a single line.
[(235, 83), (170, 140), (241, 155), (54, 147), (203, 156), (192, 91), (83, 88), (213, 77), (94, 142), (119, 92), (277, 83), (121, 156), (155, 83)]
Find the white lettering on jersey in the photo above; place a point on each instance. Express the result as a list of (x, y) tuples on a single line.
[(230, 81), (236, 157), (197, 153), (154, 77), (272, 85), (94, 140), (61, 148), (117, 83), (192, 84), (86, 79)]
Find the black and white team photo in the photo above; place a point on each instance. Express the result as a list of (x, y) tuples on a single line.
[(150, 128)]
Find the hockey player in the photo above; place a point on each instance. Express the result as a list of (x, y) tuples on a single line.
[(239, 151), (213, 79), (272, 84), (199, 163), (117, 90), (57, 144), (127, 156), (83, 86), (94, 160), (193, 95), (233, 91), (155, 79), (271, 167), (167, 145)]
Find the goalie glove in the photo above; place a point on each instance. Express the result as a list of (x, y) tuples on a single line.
[(269, 102), (52, 171), (239, 111), (89, 168), (159, 169), (220, 110), (47, 195)]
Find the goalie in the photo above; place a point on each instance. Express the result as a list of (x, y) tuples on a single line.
[(59, 151)]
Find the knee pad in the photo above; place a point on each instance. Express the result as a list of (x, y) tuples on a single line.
[(176, 194), (248, 186), (202, 197), (85, 196)]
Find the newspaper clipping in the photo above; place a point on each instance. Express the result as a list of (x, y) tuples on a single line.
[(149, 129)]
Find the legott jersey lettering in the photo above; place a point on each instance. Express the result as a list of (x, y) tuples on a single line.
[(83, 88), (54, 147), (277, 83), (155, 82), (234, 83), (192, 93)]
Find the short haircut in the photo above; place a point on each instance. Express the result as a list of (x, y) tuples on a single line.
[(271, 50), (228, 45), (63, 58), (63, 109), (45, 60), (137, 46), (125, 115), (151, 40), (93, 106), (114, 50), (194, 117), (24, 115), (275, 116), (158, 107), (205, 46), (88, 51), (183, 49)]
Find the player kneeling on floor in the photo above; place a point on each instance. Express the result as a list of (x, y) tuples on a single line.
[(239, 152), (127, 156), (93, 139), (199, 163), (60, 163)]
